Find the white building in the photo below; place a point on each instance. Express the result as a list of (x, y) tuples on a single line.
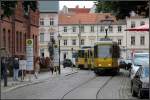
[(137, 41), (48, 29), (92, 27)]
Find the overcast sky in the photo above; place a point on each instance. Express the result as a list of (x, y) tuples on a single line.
[(72, 4)]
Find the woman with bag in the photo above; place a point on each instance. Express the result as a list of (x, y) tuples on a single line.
[(37, 68), (51, 66)]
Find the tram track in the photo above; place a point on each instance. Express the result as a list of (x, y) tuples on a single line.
[(85, 83)]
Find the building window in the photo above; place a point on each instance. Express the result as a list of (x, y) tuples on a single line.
[(65, 29), (42, 52), (110, 28), (74, 29), (132, 24), (82, 42), (82, 28), (20, 41), (65, 42), (142, 40), (142, 23), (73, 42), (132, 40), (17, 38), (51, 21), (36, 43), (4, 37), (9, 40), (51, 37), (102, 29), (25, 42), (41, 37), (119, 41), (51, 33), (119, 28), (92, 28), (41, 21)]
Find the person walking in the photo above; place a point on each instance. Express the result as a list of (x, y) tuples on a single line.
[(37, 68), (15, 69), (51, 66)]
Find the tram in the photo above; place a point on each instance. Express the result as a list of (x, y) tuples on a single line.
[(85, 57), (106, 55)]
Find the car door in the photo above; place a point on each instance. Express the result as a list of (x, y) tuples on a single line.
[(137, 81)]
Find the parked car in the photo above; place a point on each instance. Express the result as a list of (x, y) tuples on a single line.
[(137, 62), (125, 63), (140, 82), (140, 55), (68, 63)]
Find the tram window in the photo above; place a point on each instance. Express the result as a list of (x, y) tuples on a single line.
[(116, 51), (81, 53), (95, 51), (104, 51)]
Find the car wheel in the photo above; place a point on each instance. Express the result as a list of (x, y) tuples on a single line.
[(133, 92), (139, 94)]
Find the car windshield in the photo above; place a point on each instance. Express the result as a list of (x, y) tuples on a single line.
[(145, 72), (140, 61), (128, 61), (141, 55)]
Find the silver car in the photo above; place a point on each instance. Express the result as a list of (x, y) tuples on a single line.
[(140, 82), (137, 62)]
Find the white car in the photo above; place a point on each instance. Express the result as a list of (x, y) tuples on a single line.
[(140, 55), (137, 62)]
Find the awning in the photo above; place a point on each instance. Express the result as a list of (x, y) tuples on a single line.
[(139, 28)]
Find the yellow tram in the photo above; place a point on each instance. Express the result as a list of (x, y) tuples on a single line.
[(85, 57), (106, 55)]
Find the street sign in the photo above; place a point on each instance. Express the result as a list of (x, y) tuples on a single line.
[(22, 64), (29, 54)]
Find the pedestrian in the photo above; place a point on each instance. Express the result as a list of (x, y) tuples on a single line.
[(51, 66), (3, 66), (37, 68), (15, 69)]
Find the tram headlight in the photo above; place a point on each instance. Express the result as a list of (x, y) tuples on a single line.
[(109, 64), (99, 64)]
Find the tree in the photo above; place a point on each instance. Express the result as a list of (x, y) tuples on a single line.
[(121, 9), (9, 6)]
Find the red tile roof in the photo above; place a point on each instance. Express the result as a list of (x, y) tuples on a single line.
[(79, 10), (84, 18)]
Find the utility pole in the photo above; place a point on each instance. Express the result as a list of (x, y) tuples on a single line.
[(79, 35)]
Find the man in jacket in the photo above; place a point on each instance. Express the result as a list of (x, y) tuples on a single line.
[(15, 69)]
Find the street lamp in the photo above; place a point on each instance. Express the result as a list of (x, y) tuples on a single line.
[(106, 29), (59, 38), (72, 57)]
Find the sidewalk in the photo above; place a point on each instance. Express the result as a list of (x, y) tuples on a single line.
[(43, 76)]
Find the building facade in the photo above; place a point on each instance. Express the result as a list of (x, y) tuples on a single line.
[(16, 29), (92, 28), (137, 41), (48, 22)]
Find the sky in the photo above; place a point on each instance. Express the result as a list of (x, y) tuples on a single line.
[(72, 4)]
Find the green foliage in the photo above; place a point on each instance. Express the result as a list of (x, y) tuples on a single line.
[(32, 5), (9, 6), (121, 9)]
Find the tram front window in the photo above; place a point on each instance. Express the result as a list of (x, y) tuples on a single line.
[(81, 53), (104, 51)]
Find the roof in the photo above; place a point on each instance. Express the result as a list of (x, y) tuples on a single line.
[(86, 18), (79, 10)]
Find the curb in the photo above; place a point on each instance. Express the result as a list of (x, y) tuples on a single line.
[(32, 83)]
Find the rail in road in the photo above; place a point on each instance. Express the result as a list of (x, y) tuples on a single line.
[(86, 82)]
